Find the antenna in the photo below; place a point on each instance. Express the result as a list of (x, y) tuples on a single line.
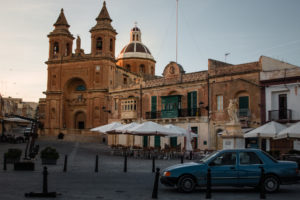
[(176, 30)]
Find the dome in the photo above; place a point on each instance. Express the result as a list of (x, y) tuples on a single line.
[(135, 49)]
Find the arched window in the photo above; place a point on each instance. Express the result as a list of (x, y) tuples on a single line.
[(67, 50), (80, 88), (55, 48), (128, 67), (137, 37), (133, 37), (142, 68), (152, 70), (99, 43), (111, 44)]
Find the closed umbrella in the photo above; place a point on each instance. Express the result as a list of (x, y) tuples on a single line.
[(290, 132)]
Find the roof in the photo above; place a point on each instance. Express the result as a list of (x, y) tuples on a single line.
[(61, 20), (103, 15), (135, 49)]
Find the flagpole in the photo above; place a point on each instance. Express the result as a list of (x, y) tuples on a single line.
[(176, 30)]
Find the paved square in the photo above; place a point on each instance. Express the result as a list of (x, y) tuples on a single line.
[(81, 182)]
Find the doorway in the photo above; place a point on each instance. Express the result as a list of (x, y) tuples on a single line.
[(80, 120)]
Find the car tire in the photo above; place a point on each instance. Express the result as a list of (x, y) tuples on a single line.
[(186, 184), (271, 183)]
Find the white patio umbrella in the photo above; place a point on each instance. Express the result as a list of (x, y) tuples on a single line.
[(150, 128), (180, 131), (106, 128), (123, 129), (290, 132), (268, 130)]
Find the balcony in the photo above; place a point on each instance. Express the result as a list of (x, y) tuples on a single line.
[(244, 115), (173, 113), (280, 115)]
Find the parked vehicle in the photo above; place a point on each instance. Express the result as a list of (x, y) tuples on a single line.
[(236, 167)]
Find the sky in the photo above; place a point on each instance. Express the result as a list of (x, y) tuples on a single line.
[(207, 29)]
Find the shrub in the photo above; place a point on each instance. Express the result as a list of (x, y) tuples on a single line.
[(49, 153), (13, 153)]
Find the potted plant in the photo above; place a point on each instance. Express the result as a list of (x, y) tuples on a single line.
[(49, 156), (13, 155)]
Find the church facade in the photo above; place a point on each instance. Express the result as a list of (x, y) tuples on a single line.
[(86, 90)]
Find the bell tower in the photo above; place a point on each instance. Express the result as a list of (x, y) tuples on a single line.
[(60, 39), (103, 35)]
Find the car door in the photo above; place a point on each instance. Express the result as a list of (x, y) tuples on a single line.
[(249, 168), (223, 169)]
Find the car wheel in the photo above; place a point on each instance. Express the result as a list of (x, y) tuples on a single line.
[(271, 183), (186, 184)]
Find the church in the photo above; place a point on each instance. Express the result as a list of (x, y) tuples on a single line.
[(86, 90)]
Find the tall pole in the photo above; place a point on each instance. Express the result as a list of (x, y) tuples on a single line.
[(176, 30)]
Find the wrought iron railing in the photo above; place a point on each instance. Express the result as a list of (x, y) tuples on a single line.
[(187, 112), (282, 114)]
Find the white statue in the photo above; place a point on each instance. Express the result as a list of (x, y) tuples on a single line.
[(233, 111)]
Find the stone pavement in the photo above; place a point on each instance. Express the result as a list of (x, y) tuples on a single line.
[(81, 182)]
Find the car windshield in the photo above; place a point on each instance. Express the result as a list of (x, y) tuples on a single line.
[(208, 156), (269, 156)]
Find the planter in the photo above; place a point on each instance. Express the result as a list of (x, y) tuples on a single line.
[(49, 161), (10, 160), (24, 166)]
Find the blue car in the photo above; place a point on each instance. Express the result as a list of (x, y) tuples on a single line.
[(236, 167)]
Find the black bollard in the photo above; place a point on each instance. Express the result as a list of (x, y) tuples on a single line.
[(125, 162), (66, 163), (45, 192), (208, 184), (155, 187), (153, 164), (181, 159), (96, 164), (262, 191), (45, 180), (4, 163)]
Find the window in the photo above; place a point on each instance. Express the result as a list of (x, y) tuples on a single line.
[(80, 88), (128, 67), (67, 50), (227, 158), (111, 44), (142, 68), (99, 43), (55, 48), (124, 80), (220, 103), (116, 104), (243, 106), (128, 105), (249, 158)]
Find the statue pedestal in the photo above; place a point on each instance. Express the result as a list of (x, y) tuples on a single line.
[(233, 138)]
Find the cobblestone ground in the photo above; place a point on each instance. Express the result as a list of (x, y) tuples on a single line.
[(81, 182)]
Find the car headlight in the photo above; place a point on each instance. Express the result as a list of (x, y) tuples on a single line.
[(167, 173)]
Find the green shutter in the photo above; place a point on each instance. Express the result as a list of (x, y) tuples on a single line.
[(153, 106), (153, 103), (244, 102), (157, 141), (145, 144), (173, 141), (192, 103), (170, 106), (243, 106)]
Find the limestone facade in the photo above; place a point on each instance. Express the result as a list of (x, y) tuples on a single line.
[(88, 90)]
